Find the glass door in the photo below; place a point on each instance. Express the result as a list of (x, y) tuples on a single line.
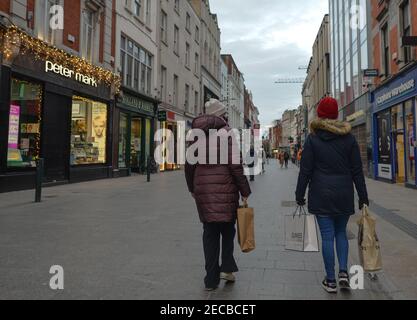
[(136, 144), (398, 137), (410, 142)]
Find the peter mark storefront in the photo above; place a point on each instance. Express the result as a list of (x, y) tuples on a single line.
[(53, 106), (134, 141), (394, 129)]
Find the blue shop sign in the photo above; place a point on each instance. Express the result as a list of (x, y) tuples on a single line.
[(402, 88)]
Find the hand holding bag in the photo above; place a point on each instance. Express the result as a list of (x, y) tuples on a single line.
[(301, 232), (246, 228), (369, 246)]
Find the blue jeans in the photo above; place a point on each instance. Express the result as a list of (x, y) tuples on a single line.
[(334, 228)]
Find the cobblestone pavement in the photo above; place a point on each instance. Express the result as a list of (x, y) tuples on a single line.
[(128, 239)]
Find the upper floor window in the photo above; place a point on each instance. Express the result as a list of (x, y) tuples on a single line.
[(136, 66), (188, 22), (197, 34), (385, 50), (187, 54), (137, 7), (88, 34), (176, 40), (177, 5), (164, 31), (406, 28), (148, 12)]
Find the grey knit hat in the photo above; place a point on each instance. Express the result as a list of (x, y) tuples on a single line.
[(215, 108)]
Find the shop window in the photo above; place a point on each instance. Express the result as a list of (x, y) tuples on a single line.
[(88, 132), (410, 143), (24, 124), (123, 140)]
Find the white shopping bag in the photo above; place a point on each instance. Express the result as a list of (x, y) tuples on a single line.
[(301, 232)]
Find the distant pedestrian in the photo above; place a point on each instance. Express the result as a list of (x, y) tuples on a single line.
[(217, 190), (330, 166), (286, 159), (281, 159), (251, 161)]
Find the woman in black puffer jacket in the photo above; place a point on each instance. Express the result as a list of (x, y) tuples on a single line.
[(331, 166)]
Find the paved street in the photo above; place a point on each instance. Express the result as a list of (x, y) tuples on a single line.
[(126, 239)]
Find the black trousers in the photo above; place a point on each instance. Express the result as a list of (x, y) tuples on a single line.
[(211, 242)]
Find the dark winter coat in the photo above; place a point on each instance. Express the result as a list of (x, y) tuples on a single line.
[(216, 187), (331, 165)]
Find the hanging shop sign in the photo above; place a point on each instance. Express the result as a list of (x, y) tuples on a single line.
[(162, 116), (68, 73), (371, 73)]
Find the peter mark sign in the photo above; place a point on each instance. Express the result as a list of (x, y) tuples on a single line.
[(68, 73)]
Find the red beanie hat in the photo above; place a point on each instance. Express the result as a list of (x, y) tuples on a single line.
[(328, 109)]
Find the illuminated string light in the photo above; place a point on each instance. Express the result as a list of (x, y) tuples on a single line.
[(14, 37)]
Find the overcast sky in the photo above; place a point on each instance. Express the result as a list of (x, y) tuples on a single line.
[(270, 39)]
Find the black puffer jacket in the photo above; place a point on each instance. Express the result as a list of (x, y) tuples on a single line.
[(331, 165)]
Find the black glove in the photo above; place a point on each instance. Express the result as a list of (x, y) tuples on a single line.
[(301, 202), (362, 203)]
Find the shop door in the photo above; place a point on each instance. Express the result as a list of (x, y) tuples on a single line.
[(56, 136), (136, 145), (399, 154)]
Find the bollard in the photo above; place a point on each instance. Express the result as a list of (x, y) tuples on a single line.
[(148, 170), (39, 178)]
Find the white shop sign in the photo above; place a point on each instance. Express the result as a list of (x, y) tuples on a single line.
[(68, 73)]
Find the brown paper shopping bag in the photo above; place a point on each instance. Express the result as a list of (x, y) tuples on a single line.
[(246, 228), (369, 246)]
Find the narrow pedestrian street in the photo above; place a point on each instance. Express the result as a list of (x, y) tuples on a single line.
[(128, 239)]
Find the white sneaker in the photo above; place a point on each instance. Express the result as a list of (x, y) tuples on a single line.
[(229, 277)]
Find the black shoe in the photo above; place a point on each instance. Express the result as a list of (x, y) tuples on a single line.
[(330, 287), (344, 280)]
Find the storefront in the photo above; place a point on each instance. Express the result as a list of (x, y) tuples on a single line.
[(169, 120), (394, 128), (359, 115), (54, 112), (134, 134)]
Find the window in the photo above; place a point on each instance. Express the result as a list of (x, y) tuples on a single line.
[(197, 34), (187, 54), (175, 93), (406, 29), (137, 6), (187, 98), (51, 33), (136, 66), (148, 12), (88, 132), (196, 96), (177, 5), (164, 19), (196, 63), (24, 124), (385, 50), (188, 23), (176, 40), (88, 35), (163, 83)]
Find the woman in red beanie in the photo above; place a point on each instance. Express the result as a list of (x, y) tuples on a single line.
[(330, 166)]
